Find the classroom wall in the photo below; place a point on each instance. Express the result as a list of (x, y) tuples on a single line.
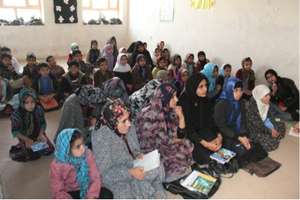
[(55, 39), (265, 30)]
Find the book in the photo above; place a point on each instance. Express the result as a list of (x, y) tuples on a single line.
[(39, 146), (149, 162), (199, 182), (223, 156)]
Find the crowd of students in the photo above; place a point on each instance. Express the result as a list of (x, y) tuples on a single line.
[(121, 104)]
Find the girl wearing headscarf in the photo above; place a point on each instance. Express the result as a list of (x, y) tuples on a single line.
[(174, 67), (123, 71), (198, 115), (226, 73), (182, 78), (113, 42), (140, 49), (211, 71), (263, 127), (161, 126), (116, 146), (73, 172), (284, 95), (115, 89), (189, 64), (229, 115), (141, 72), (80, 110), (28, 124), (202, 61), (93, 54), (107, 53)]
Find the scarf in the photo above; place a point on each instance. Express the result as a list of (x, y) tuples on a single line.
[(119, 67), (258, 93), (208, 72)]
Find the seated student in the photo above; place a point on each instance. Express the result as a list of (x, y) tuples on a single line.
[(166, 54), (8, 102), (226, 73), (74, 47), (93, 54), (161, 45), (46, 88), (102, 74), (56, 70), (156, 55), (107, 53), (161, 126), (28, 124), (141, 73), (198, 115), (113, 41), (73, 171), (31, 68), (229, 115), (284, 95), (8, 72), (247, 75), (79, 110), (115, 89), (14, 62), (84, 68), (202, 61), (123, 71), (74, 75), (189, 64), (140, 49), (182, 78), (263, 127), (161, 65), (174, 67), (116, 146), (211, 71)]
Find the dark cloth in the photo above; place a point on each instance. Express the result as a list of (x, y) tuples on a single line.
[(126, 77), (104, 194), (93, 55), (140, 76), (136, 53), (40, 88), (31, 71), (100, 78)]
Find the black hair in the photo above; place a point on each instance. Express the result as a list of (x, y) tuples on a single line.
[(30, 56), (86, 80), (5, 55), (227, 66), (74, 53), (238, 84), (248, 59), (201, 53), (43, 64), (101, 60), (72, 63), (76, 135), (271, 71), (94, 41), (48, 58), (5, 49)]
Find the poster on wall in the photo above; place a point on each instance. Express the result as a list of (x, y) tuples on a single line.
[(166, 10), (202, 4), (65, 11)]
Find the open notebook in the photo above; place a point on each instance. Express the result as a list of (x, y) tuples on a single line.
[(149, 162)]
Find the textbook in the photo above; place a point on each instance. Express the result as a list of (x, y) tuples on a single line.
[(223, 155), (150, 161), (199, 182)]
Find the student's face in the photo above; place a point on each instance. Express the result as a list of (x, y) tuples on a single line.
[(173, 101), (163, 64), (141, 48), (74, 70), (247, 65), (178, 61), (78, 57), (77, 149), (94, 45), (142, 62), (161, 44), (123, 60), (6, 61), (202, 89), (44, 71), (227, 71), (266, 99), (216, 72), (52, 61), (29, 104), (103, 66), (166, 54), (157, 53), (271, 78), (31, 61), (190, 60), (110, 50), (237, 93), (185, 77), (124, 123), (202, 58)]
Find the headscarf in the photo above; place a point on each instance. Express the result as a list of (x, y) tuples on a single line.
[(141, 70), (227, 94), (111, 112), (192, 85), (90, 96), (114, 89), (273, 72), (63, 154), (24, 93), (208, 72), (74, 46), (258, 93), (109, 56), (190, 67), (119, 67)]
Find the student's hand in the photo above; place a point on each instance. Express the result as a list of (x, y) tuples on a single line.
[(245, 142), (219, 139), (28, 143), (179, 112), (212, 146), (42, 138), (275, 133), (140, 156), (137, 173)]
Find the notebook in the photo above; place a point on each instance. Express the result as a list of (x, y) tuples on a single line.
[(149, 162), (223, 155)]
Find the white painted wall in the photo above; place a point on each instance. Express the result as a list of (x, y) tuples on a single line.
[(265, 30), (55, 39)]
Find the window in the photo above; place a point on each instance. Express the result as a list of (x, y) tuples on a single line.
[(100, 9), (25, 9)]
